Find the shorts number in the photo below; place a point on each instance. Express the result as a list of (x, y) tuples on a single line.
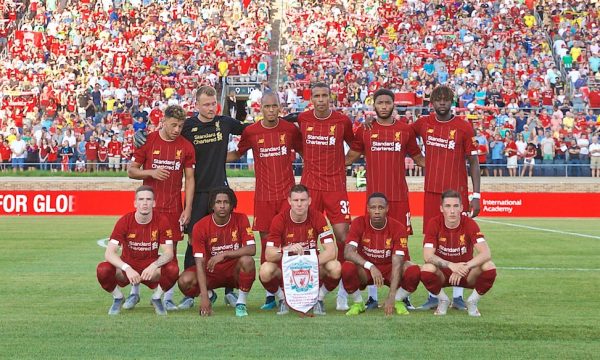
[(407, 219), (345, 205)]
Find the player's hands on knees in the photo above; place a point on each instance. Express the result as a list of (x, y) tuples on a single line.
[(205, 306), (133, 276), (475, 208), (388, 307), (454, 279), (214, 261), (148, 272), (376, 275), (160, 174)]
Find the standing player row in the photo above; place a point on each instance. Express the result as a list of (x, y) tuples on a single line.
[(320, 138)]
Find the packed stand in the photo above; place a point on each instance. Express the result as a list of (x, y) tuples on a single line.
[(98, 72), (497, 57), (574, 28)]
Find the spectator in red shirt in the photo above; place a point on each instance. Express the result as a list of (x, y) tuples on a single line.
[(114, 154)]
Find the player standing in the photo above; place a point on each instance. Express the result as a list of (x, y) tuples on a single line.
[(450, 239), (209, 134), (140, 234), (323, 134), (449, 143), (271, 142), (376, 249), (299, 229), (385, 146), (161, 163), (224, 245)]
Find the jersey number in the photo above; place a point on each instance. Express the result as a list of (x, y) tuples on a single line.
[(345, 205)]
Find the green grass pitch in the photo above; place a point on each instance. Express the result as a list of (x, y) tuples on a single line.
[(51, 305)]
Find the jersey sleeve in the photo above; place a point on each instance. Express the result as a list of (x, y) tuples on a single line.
[(237, 128), (199, 241), (417, 127), (190, 155), (357, 229), (139, 155), (430, 241), (348, 133), (474, 232), (165, 231), (358, 144), (245, 142), (276, 232), (411, 147), (296, 138), (119, 233), (469, 141), (323, 229), (246, 230)]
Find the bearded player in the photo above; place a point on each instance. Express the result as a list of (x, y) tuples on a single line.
[(299, 229), (449, 144), (140, 234), (161, 163), (271, 141), (376, 249), (223, 246), (385, 146), (456, 254), (324, 132)]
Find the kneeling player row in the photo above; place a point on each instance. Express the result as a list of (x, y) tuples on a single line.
[(376, 252)]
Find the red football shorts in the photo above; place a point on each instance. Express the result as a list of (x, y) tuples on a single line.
[(139, 268), (335, 204), (386, 271), (463, 281), (265, 211), (222, 276), (431, 206), (175, 226)]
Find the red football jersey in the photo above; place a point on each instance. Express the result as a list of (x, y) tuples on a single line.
[(174, 156), (378, 245), (273, 158), (140, 243), (385, 148), (210, 239), (284, 231), (454, 245), (447, 146), (323, 145)]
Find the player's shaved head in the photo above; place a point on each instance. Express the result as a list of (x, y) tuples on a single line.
[(269, 95), (382, 92), (319, 85), (377, 195)]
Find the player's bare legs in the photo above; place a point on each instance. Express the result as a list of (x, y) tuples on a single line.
[(270, 277), (340, 232), (270, 302)]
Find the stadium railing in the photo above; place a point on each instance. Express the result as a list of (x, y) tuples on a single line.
[(551, 168)]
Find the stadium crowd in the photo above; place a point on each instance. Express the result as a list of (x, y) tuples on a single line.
[(101, 68)]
